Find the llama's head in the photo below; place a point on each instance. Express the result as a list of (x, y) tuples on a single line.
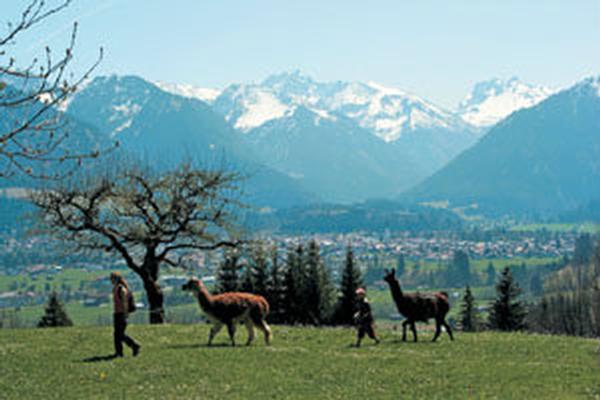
[(390, 275), (192, 285)]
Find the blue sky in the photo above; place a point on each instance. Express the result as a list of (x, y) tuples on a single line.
[(436, 49)]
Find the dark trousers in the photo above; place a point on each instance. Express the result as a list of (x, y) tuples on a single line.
[(120, 324), (368, 329)]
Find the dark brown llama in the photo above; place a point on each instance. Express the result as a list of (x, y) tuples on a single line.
[(230, 309), (419, 307)]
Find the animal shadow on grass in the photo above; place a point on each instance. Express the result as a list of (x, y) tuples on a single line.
[(93, 359), (184, 346)]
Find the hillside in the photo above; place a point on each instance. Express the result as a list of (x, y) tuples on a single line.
[(540, 159), (302, 363), (166, 129)]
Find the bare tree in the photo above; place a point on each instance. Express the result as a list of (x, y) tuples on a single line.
[(33, 133), (147, 220)]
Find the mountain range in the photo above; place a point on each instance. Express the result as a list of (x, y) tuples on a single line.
[(541, 159), (509, 144)]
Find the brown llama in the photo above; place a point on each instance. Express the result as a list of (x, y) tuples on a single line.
[(419, 307), (230, 309)]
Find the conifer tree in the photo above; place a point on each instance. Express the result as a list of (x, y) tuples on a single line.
[(459, 272), (259, 269), (276, 290), (350, 281), (313, 293), (293, 281), (490, 274), (400, 265), (227, 279), (55, 314), (469, 317), (507, 312), (247, 281)]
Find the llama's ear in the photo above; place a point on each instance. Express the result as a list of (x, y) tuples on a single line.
[(393, 271)]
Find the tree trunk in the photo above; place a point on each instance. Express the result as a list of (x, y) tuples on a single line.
[(154, 293), (155, 298)]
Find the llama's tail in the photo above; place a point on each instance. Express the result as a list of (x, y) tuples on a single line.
[(265, 308)]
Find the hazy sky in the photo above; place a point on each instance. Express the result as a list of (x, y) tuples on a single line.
[(436, 49)]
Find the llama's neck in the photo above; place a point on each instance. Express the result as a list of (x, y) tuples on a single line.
[(204, 298), (396, 291)]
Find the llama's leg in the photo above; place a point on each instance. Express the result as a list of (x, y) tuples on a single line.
[(404, 324), (438, 329), (250, 329), (258, 318), (231, 331), (414, 330), (448, 329), (266, 329), (213, 332)]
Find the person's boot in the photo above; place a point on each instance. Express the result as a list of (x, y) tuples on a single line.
[(136, 350)]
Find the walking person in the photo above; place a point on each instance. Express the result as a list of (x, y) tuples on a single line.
[(123, 304), (365, 323)]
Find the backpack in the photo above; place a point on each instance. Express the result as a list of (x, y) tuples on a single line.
[(130, 302)]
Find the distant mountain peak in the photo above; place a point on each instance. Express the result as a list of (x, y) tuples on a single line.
[(207, 95), (388, 113), (494, 99), (592, 82), (293, 77)]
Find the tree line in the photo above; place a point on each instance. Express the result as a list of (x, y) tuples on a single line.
[(298, 285), (569, 303)]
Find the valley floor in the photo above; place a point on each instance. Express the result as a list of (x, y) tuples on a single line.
[(310, 363)]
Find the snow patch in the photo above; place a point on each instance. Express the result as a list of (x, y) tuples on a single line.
[(494, 100), (207, 95), (121, 127), (260, 107), (127, 109)]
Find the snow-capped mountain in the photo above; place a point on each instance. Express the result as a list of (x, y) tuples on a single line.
[(166, 129), (388, 113), (542, 158), (493, 100), (207, 95)]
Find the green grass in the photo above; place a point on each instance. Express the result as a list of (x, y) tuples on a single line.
[(480, 265), (301, 363)]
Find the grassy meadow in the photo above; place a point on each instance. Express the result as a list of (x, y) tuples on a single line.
[(311, 363)]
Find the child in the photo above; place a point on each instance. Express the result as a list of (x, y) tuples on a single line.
[(363, 318)]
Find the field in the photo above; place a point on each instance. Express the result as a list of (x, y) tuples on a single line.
[(302, 363), (587, 227)]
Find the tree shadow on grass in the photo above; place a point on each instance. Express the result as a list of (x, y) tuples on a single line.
[(93, 359)]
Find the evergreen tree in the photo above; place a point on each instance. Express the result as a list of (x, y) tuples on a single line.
[(313, 288), (293, 281), (536, 284), (490, 274), (350, 281), (227, 279), (459, 271), (276, 290), (55, 314), (507, 313), (469, 317), (584, 249), (247, 281), (400, 265), (260, 270), (416, 268)]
